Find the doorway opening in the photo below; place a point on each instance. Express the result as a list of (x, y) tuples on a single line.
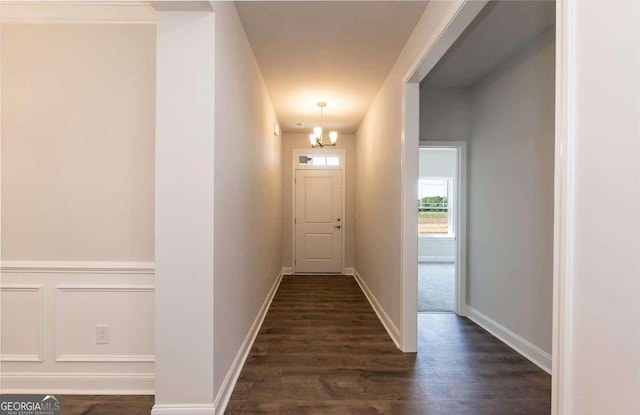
[(502, 105), (440, 181)]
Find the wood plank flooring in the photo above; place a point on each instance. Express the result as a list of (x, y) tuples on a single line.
[(322, 350), (106, 404)]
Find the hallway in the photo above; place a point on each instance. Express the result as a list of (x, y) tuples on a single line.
[(245, 207), (322, 349)]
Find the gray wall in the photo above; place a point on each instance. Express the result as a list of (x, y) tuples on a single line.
[(445, 114), (511, 193), (508, 118)]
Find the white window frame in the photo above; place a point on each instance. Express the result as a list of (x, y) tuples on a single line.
[(295, 162), (451, 200)]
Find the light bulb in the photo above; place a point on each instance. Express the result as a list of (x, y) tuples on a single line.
[(333, 136), (312, 139), (318, 132)]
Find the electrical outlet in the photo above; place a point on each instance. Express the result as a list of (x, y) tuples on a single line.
[(102, 334)]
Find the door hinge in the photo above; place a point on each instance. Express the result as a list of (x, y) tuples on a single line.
[(295, 261), (295, 221)]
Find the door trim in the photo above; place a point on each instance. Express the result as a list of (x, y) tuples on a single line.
[(451, 28), (297, 152), (461, 220), (564, 207)]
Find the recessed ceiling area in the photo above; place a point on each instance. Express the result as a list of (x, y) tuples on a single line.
[(337, 52), (500, 29)]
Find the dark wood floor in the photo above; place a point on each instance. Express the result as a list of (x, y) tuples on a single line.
[(106, 405), (322, 350)]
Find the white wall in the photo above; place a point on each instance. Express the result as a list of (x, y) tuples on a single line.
[(378, 170), (185, 209), (297, 141), (77, 205), (438, 163), (510, 215), (436, 249), (604, 299), (77, 141), (248, 190)]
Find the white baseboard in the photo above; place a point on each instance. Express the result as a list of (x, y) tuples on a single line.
[(229, 383), (527, 349), (391, 328), (78, 383), (349, 271), (184, 409), (432, 258)]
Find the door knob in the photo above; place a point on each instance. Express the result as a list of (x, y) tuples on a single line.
[(337, 226)]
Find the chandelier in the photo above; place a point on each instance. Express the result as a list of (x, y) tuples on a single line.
[(316, 138)]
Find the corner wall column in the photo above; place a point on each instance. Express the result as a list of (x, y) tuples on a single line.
[(184, 212)]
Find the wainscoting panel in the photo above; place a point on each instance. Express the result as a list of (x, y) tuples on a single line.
[(128, 311), (22, 323), (50, 312)]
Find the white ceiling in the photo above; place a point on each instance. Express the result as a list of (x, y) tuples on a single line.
[(338, 52), (495, 34)]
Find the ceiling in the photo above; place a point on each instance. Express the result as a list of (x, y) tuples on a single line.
[(338, 52), (494, 35)]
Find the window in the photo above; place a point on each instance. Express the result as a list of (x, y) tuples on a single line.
[(319, 160), (316, 160), (333, 160), (434, 206)]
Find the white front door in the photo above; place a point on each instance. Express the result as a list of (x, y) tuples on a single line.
[(318, 221)]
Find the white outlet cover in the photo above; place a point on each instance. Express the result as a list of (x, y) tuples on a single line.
[(102, 334)]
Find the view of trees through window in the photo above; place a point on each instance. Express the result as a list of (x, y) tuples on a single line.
[(433, 206)]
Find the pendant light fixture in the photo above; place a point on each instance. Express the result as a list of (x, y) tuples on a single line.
[(316, 138)]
